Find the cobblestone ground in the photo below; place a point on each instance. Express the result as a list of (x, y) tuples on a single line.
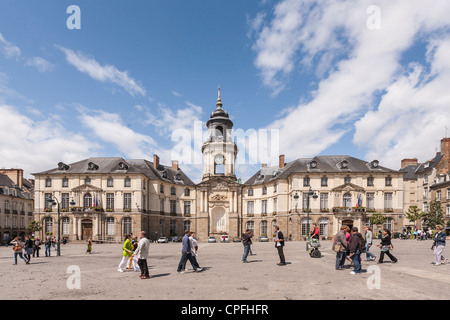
[(225, 276)]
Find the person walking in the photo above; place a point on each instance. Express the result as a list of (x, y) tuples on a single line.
[(89, 246), (141, 253), (340, 247), (369, 241), (47, 245), (439, 245), (386, 247), (186, 254), (279, 244), (36, 247), (246, 241), (18, 249), (355, 247), (28, 249), (126, 253)]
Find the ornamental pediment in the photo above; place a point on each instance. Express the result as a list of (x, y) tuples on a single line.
[(87, 188), (348, 187), (218, 197)]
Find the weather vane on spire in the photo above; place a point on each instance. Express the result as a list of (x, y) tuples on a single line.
[(219, 101)]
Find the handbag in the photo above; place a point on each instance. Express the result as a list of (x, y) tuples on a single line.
[(337, 247), (17, 247)]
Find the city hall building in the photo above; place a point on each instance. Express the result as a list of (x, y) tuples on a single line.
[(106, 198)]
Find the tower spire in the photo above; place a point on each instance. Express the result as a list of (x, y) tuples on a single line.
[(219, 101)]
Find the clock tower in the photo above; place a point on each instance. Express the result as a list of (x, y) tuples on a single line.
[(219, 151)]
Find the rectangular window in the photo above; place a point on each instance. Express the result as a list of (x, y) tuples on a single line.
[(250, 192), (161, 205), (370, 201), (127, 182), (264, 190), (65, 183), (448, 194), (324, 181), (110, 182), (48, 182), (306, 181), (47, 204), (264, 207), (388, 200), (305, 200), (250, 207), (275, 205), (110, 201), (447, 213), (187, 207), (161, 188), (370, 182), (173, 206), (438, 195), (425, 207), (388, 182), (187, 192), (127, 201), (65, 201), (323, 201)]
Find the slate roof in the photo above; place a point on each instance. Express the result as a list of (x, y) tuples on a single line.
[(410, 172), (430, 164), (114, 165), (318, 164), (6, 182)]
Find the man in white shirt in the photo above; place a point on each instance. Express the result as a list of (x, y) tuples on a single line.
[(142, 253)]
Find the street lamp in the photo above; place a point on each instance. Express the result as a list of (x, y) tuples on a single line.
[(54, 201), (315, 196)]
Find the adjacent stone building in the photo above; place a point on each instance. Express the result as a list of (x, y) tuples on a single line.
[(16, 204)]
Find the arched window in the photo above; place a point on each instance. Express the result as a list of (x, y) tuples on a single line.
[(87, 200), (127, 225), (250, 225), (388, 224), (264, 227), (323, 226), (305, 226), (347, 200)]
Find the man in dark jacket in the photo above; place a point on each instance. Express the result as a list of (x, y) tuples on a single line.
[(279, 244), (246, 241), (356, 241), (186, 254)]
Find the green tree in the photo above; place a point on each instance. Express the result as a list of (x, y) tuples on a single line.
[(435, 215), (34, 226), (378, 218), (414, 214)]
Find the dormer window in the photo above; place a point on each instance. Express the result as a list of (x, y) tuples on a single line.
[(92, 166), (178, 176), (374, 164), (123, 166), (313, 164), (63, 166), (344, 164), (164, 174)]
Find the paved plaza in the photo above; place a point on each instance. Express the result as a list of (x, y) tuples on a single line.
[(224, 276)]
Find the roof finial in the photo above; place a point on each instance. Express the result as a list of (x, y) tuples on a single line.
[(219, 101)]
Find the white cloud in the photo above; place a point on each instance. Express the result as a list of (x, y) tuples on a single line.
[(109, 127), (357, 64), (105, 73), (9, 49), (39, 63), (37, 146)]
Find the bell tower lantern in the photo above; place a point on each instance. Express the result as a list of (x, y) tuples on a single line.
[(219, 151)]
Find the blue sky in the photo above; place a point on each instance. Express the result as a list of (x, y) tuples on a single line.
[(136, 72)]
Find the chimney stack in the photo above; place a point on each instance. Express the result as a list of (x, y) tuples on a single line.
[(16, 175), (409, 162), (281, 161), (175, 165), (445, 152), (155, 161)]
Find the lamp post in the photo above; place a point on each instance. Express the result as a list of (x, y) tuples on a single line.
[(54, 201), (315, 196)]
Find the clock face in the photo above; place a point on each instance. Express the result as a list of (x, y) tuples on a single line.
[(218, 159)]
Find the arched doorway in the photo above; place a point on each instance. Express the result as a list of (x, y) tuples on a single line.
[(218, 220), (86, 229), (348, 223)]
